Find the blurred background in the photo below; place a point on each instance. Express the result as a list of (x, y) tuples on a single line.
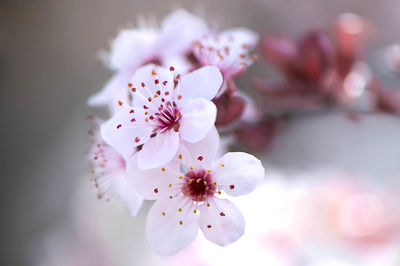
[(49, 65)]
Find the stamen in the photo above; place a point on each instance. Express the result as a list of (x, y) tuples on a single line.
[(198, 185)]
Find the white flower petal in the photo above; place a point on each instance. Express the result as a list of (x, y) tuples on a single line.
[(123, 189), (221, 222), (198, 118), (243, 36), (123, 134), (204, 82), (159, 150), (228, 50), (151, 82), (115, 90), (171, 225), (179, 30), (181, 64), (238, 173), (131, 48), (201, 153), (154, 183)]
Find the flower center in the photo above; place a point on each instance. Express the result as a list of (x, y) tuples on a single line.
[(198, 185), (168, 118)]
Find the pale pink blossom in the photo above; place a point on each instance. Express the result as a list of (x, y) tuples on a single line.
[(164, 112), (229, 50), (187, 193), (109, 172), (170, 44)]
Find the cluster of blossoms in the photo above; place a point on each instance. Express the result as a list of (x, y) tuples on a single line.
[(171, 88), (174, 92)]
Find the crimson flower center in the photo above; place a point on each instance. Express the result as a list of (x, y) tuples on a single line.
[(168, 118), (198, 185)]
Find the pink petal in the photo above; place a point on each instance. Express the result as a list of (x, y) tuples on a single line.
[(154, 183), (201, 153), (228, 50), (109, 171), (171, 225), (159, 150), (181, 64), (243, 36), (238, 173), (122, 188), (198, 117), (150, 85), (113, 92), (221, 222), (179, 30), (123, 134), (131, 48), (204, 83)]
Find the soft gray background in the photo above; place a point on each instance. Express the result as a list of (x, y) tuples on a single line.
[(49, 66)]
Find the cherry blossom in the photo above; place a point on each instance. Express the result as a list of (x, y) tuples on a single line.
[(229, 50), (163, 113), (170, 44), (109, 171), (187, 193)]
